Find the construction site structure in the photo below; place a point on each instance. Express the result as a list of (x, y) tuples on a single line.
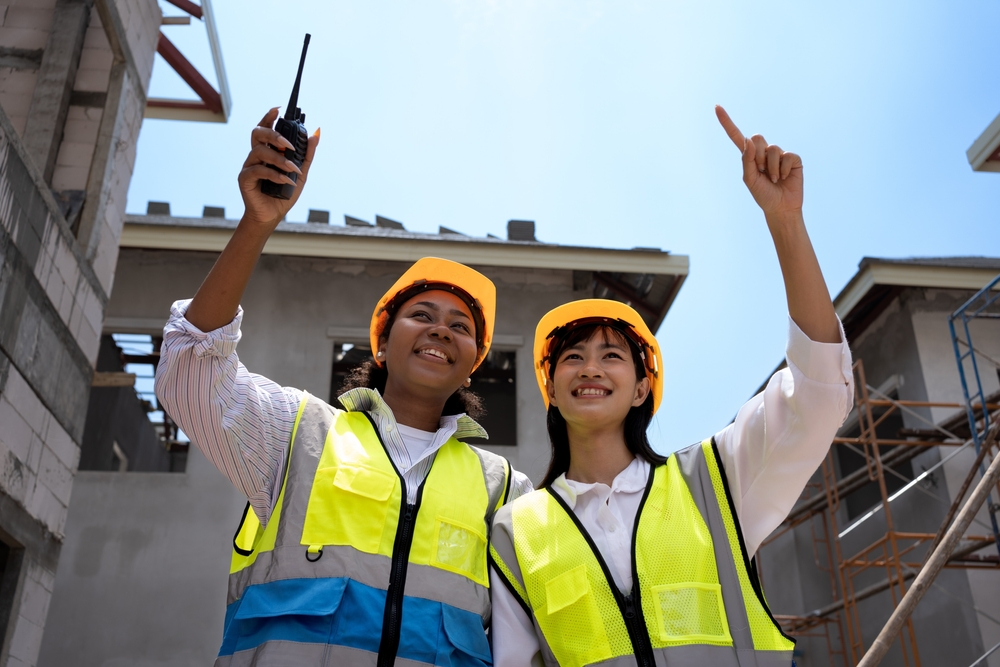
[(884, 434)]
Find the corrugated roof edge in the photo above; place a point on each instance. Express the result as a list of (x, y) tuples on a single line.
[(344, 230), (961, 262)]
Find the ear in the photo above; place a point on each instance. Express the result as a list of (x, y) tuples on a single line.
[(642, 389), (550, 389)]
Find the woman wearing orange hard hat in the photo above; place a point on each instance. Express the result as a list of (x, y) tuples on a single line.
[(364, 539), (627, 556)]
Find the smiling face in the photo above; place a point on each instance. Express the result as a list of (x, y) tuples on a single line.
[(431, 347), (594, 383)]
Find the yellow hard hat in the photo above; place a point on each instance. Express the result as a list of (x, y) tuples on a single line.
[(429, 273), (559, 321)]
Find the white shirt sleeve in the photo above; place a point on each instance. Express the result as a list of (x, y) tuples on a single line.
[(240, 420), (781, 435), (519, 484), (512, 632)]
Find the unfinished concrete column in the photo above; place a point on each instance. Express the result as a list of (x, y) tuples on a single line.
[(50, 102)]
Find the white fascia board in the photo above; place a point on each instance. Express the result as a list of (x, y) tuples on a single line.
[(181, 113), (909, 275), (382, 248), (984, 146)]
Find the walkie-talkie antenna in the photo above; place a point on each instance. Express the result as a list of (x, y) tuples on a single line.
[(292, 111)]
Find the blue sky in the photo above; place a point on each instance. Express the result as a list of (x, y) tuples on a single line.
[(594, 118)]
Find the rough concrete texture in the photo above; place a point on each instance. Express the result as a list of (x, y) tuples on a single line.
[(142, 579), (908, 348), (53, 286)]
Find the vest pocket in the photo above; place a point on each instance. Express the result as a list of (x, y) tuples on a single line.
[(691, 611), (298, 610), (460, 549), (348, 505)]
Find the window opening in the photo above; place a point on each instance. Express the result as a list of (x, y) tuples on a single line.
[(11, 557), (496, 381), (126, 428)]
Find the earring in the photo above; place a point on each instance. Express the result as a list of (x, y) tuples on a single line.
[(380, 354)]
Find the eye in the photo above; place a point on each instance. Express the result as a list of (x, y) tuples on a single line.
[(462, 326), (570, 356), (613, 355), (421, 313)]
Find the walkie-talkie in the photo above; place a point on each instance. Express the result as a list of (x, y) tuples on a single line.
[(291, 127)]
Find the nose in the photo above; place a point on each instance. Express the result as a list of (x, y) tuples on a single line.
[(590, 370), (440, 331)]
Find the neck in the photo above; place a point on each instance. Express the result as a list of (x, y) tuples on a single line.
[(416, 411), (597, 455)]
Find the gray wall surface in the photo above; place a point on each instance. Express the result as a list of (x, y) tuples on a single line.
[(142, 578)]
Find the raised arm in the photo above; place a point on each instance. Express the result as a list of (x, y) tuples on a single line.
[(219, 296), (774, 178)]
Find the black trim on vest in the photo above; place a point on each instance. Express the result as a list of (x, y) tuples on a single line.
[(239, 527), (639, 636), (392, 618), (508, 585), (506, 488), (748, 563)]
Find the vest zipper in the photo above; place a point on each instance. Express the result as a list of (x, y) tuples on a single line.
[(392, 619), (635, 623), (629, 606)]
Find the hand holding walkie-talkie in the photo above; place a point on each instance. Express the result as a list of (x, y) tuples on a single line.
[(291, 127), (275, 171)]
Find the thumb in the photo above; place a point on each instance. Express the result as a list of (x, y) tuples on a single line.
[(750, 172), (310, 153)]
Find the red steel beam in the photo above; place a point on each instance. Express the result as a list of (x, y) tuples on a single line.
[(188, 6), (191, 76)]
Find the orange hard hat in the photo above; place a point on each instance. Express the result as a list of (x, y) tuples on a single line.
[(556, 323), (433, 273)]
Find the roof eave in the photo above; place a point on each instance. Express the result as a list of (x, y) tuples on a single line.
[(984, 154)]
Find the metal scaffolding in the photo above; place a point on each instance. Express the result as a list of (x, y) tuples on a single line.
[(898, 553)]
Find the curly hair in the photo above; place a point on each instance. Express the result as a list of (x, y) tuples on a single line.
[(372, 376)]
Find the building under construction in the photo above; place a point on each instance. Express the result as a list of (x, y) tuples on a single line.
[(925, 334)]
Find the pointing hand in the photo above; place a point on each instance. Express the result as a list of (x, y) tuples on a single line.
[(773, 176)]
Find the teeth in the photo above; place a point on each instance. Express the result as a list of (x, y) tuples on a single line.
[(587, 391), (435, 353)]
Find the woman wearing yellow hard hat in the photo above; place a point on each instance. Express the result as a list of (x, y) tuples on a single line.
[(626, 556), (364, 540)]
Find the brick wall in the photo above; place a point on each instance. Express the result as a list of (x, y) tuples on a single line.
[(54, 280)]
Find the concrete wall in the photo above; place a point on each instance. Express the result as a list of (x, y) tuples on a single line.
[(908, 347), (142, 578), (54, 277)]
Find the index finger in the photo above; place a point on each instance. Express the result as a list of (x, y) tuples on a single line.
[(730, 127)]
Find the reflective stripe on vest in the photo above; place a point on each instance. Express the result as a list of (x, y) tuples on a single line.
[(321, 578), (694, 599)]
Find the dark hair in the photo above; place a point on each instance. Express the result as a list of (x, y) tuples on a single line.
[(636, 421), (370, 375)]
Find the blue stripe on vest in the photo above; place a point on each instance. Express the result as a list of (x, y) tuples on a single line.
[(344, 612)]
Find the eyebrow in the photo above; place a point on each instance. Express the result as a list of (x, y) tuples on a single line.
[(604, 346), (433, 306)]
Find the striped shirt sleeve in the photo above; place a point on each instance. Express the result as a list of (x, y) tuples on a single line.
[(240, 420)]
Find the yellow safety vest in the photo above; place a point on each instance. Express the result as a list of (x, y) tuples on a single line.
[(694, 599), (344, 554)]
